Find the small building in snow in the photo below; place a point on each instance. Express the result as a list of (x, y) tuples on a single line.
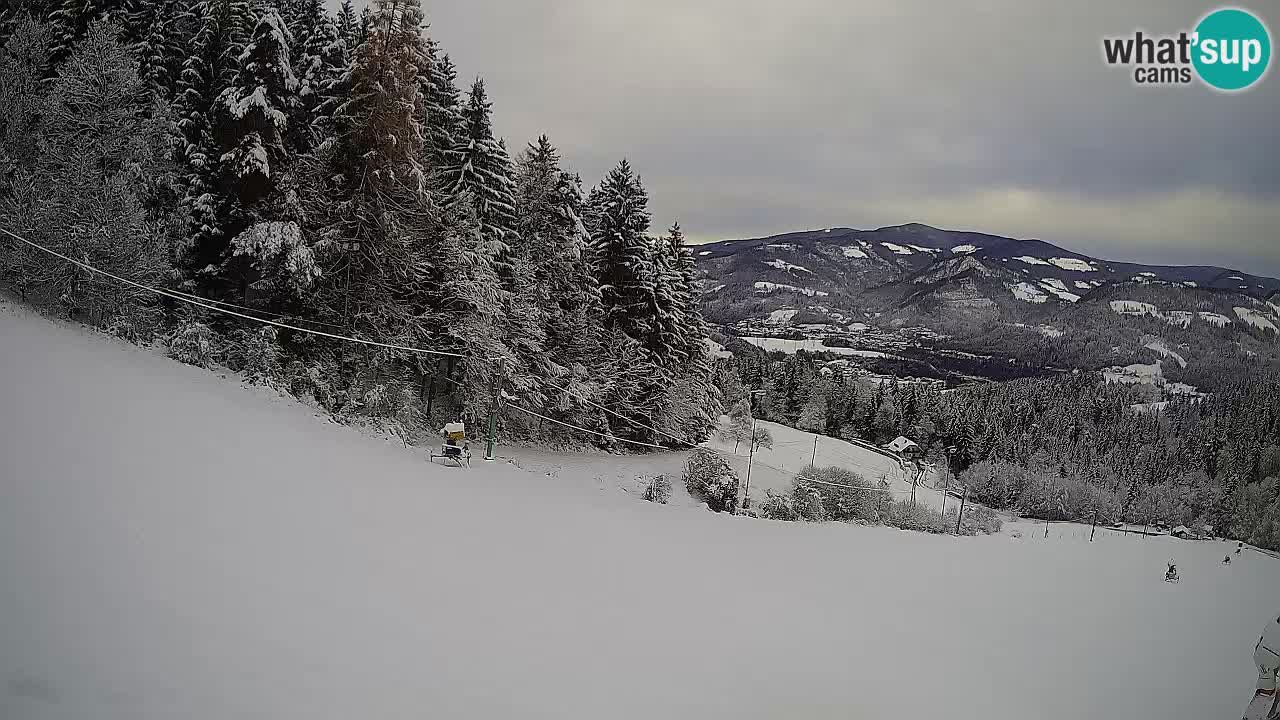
[(904, 447)]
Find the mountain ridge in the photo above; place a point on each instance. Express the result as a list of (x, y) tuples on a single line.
[(947, 240)]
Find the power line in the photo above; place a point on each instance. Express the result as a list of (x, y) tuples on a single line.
[(214, 308), (582, 429), (801, 478), (267, 313), (565, 424), (218, 306)]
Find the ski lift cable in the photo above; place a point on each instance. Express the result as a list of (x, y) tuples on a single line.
[(267, 313), (633, 421), (565, 424), (214, 308), (513, 406), (212, 305)]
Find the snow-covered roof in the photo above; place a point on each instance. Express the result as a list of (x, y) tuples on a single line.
[(900, 444)]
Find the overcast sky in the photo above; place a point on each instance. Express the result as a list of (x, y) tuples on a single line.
[(753, 117)]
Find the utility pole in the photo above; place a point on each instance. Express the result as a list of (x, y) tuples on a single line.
[(493, 411), (1046, 512), (946, 485), (1095, 525), (350, 247), (814, 461), (963, 500), (751, 450), (914, 478)]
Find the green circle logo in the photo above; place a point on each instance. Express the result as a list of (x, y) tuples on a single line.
[(1232, 49)]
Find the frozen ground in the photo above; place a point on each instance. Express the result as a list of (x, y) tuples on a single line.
[(175, 546)]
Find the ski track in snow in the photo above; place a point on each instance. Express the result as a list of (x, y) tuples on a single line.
[(173, 545)]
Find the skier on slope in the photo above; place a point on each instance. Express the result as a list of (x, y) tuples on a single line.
[(1266, 655)]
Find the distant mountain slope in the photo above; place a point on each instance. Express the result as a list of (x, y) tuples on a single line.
[(1027, 299), (843, 262)]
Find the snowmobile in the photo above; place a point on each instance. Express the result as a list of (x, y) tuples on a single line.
[(1171, 575), (455, 448)]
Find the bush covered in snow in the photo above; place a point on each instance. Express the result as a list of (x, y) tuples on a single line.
[(906, 516), (658, 490), (256, 353), (708, 477), (194, 343), (779, 506), (978, 520), (844, 495)]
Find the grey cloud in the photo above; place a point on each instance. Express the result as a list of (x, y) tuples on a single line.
[(748, 117)]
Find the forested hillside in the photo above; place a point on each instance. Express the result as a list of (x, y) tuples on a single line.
[(1063, 447), (327, 172)]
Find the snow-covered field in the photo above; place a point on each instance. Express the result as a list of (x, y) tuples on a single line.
[(775, 468), (1256, 319), (791, 347), (173, 545)]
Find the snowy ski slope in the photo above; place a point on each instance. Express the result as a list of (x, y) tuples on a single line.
[(173, 545)]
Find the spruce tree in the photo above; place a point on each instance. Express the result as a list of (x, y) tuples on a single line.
[(443, 110), (162, 43), (348, 26), (212, 65), (478, 171), (623, 253), (366, 194), (72, 18), (253, 114)]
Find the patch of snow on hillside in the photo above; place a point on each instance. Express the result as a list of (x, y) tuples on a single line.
[(791, 347), (1030, 260), (1133, 307), (1135, 374), (715, 289), (1075, 264), (1049, 331), (924, 249), (716, 350), (1054, 283), (768, 287), (1190, 283), (1082, 285), (1234, 277), (781, 246), (1065, 295), (788, 267), (704, 253), (1028, 292), (1147, 274), (852, 251), (782, 316), (897, 249), (1215, 319), (1256, 319), (1160, 348), (965, 249)]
